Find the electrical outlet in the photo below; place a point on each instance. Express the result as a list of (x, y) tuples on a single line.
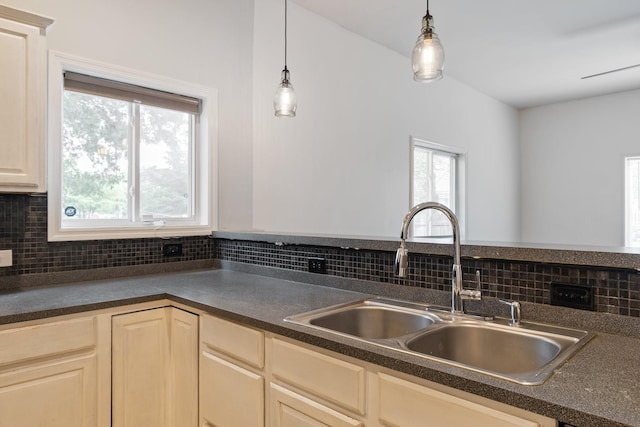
[(6, 258), (318, 265), (172, 249), (570, 295)]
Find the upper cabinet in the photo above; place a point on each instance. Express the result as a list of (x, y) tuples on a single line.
[(23, 65)]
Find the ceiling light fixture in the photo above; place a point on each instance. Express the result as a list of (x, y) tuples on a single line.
[(428, 55), (285, 103)]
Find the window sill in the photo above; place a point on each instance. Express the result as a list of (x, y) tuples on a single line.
[(66, 235)]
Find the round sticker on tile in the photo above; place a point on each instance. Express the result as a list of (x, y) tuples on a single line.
[(70, 211)]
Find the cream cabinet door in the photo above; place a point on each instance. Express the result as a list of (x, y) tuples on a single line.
[(232, 385), (154, 368), (230, 396), (22, 104), (289, 409), (48, 374), (61, 393), (183, 372)]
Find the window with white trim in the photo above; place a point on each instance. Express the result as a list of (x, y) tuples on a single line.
[(132, 154), (436, 176), (632, 201)]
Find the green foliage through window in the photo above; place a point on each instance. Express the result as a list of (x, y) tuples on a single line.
[(125, 161)]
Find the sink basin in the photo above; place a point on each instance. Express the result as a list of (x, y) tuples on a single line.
[(527, 354), (373, 322), (369, 319), (500, 350)]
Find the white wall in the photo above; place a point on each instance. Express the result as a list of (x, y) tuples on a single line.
[(342, 165), (208, 42), (573, 169)]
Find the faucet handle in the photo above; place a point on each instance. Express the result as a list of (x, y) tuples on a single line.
[(516, 315), (471, 294)]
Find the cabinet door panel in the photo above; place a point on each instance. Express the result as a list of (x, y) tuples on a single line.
[(22, 66), (55, 394), (289, 409), (230, 396), (140, 362), (155, 368), (184, 368)]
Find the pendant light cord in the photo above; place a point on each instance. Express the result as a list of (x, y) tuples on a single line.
[(285, 34)]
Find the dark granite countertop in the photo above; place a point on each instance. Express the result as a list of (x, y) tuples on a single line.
[(599, 386)]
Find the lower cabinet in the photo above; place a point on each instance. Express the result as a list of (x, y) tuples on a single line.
[(316, 387), (48, 374), (155, 368), (232, 390), (166, 367)]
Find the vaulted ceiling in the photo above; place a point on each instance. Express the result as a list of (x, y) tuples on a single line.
[(522, 52)]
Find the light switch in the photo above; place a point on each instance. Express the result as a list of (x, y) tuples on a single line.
[(6, 258)]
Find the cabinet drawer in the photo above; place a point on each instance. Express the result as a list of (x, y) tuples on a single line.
[(337, 381), (245, 344), (406, 404), (49, 339)]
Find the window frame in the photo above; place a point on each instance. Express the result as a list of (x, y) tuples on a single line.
[(460, 177), (205, 162), (628, 242)]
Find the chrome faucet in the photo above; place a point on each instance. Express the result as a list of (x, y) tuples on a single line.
[(458, 294)]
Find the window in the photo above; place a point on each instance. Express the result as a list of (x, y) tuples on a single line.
[(437, 175), (632, 201), (131, 154)]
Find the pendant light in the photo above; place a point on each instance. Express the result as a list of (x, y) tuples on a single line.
[(428, 55), (285, 103)]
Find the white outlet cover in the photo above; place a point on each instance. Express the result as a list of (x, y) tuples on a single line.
[(6, 258)]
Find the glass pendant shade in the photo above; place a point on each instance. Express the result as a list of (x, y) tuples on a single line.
[(284, 102), (428, 54)]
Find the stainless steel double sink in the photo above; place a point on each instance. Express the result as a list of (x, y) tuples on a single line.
[(526, 354)]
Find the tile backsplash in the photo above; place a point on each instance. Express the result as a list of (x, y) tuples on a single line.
[(23, 229), (616, 291)]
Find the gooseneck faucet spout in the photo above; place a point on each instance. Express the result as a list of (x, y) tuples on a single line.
[(402, 255)]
